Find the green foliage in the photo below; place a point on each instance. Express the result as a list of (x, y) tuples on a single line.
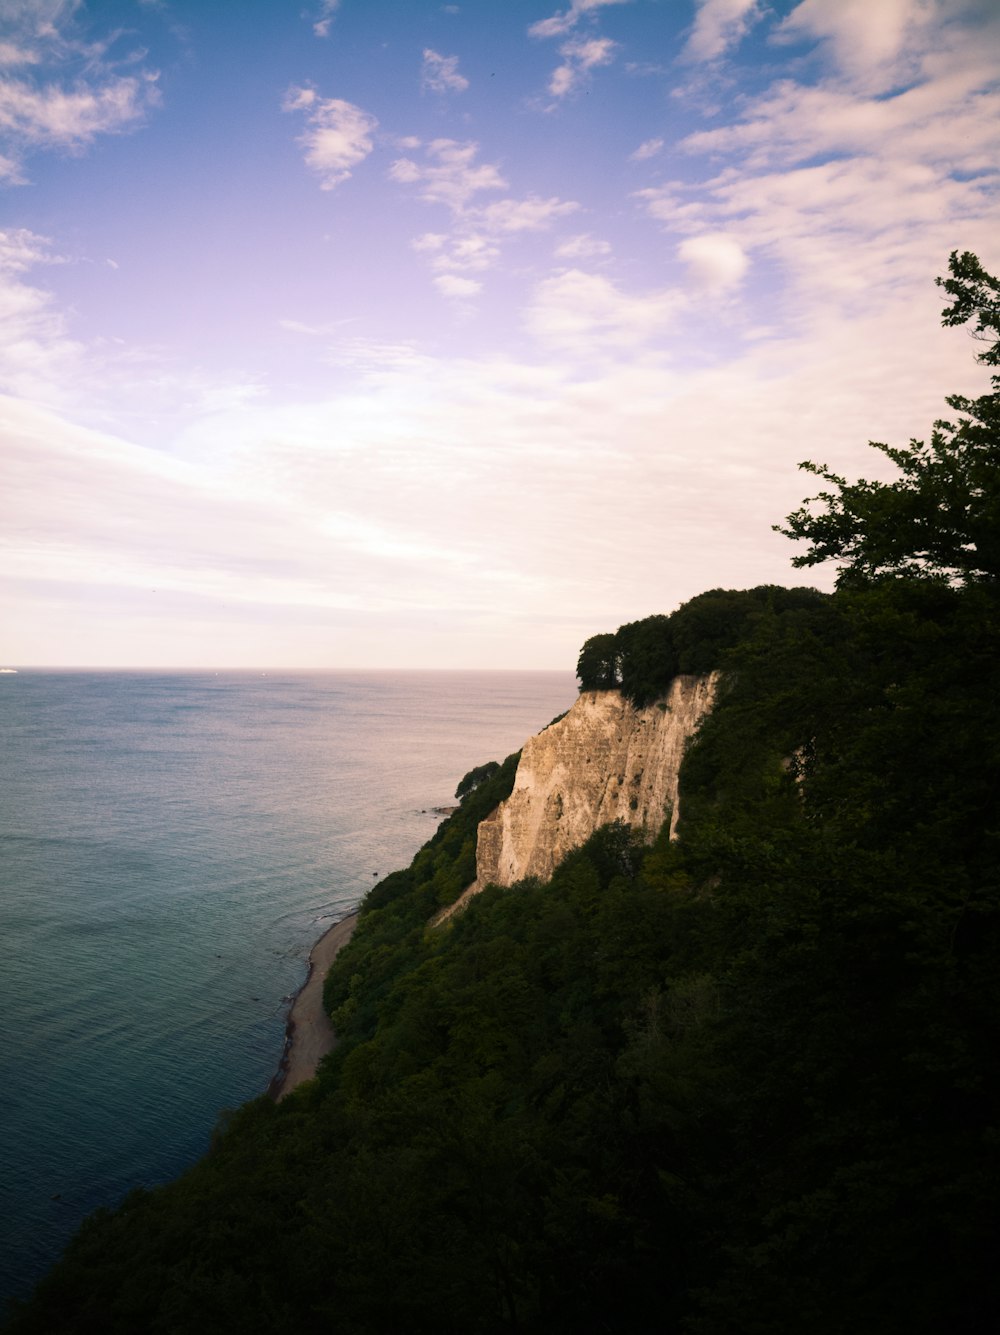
[(975, 299), (598, 664), (643, 657), (647, 657), (475, 777), (941, 518)]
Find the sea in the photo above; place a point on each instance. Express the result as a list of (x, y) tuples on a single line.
[(171, 846)]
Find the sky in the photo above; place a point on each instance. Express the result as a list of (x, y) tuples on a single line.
[(389, 333)]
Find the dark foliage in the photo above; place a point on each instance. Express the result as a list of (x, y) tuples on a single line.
[(642, 657), (941, 518), (477, 775)]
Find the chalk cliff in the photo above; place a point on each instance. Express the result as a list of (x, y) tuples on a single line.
[(605, 761)]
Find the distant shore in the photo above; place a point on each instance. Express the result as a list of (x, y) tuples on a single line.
[(309, 1035)]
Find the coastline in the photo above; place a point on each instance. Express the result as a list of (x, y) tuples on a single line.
[(309, 1035)]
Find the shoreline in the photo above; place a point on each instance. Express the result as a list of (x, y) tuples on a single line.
[(309, 1035)]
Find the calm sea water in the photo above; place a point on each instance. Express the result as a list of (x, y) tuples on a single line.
[(171, 845)]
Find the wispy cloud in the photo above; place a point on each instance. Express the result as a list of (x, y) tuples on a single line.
[(453, 285), (567, 19), (40, 107), (848, 191), (523, 215), (440, 74), (473, 253), (38, 358), (53, 116), (648, 149), (338, 135), (580, 56), (45, 359), (324, 21), (583, 246), (651, 375), (586, 315), (317, 510), (721, 25), (12, 53), (328, 511), (450, 175)]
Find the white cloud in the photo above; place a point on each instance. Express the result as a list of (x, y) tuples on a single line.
[(10, 172), (38, 109), (470, 252), (51, 116), (440, 74), (846, 194), (336, 506), (312, 330), (721, 25), (43, 359), (717, 262), (523, 215), (429, 241), (473, 245), (338, 137), (634, 410), (865, 37), (582, 247), (648, 149), (451, 285), (590, 52), (20, 249), (327, 515), (325, 18), (39, 15), (38, 358), (845, 235), (450, 175), (795, 124), (11, 53), (581, 56), (327, 9), (944, 118), (585, 315), (564, 22)]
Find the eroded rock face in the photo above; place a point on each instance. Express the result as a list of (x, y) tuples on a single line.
[(605, 761)]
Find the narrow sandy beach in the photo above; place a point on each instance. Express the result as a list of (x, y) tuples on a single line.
[(309, 1035)]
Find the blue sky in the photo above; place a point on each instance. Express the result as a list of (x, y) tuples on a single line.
[(384, 333)]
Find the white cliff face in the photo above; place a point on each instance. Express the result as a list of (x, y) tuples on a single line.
[(605, 761)]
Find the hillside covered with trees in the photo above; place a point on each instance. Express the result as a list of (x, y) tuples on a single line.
[(742, 1083)]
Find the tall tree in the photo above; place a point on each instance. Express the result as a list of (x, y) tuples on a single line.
[(941, 517)]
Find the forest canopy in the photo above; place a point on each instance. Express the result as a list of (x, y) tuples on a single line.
[(641, 658)]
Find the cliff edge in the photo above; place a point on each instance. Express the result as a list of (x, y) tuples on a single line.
[(604, 761)]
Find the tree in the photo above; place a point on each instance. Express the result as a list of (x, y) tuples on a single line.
[(477, 775), (941, 518), (599, 665)]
